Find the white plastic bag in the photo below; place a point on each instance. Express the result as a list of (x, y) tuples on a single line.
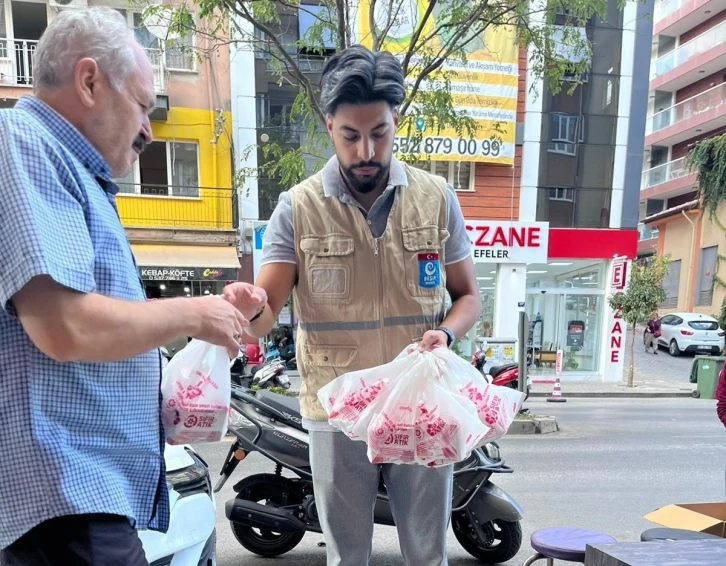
[(427, 408), (420, 421), (196, 392), (496, 406), (347, 398)]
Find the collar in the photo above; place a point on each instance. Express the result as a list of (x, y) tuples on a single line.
[(334, 184), (67, 135)]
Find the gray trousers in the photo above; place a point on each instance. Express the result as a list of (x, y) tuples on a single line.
[(346, 484)]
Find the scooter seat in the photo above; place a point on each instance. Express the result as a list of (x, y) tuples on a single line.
[(284, 404), (496, 370)]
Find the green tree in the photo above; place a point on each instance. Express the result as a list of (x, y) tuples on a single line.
[(641, 299), (445, 30)]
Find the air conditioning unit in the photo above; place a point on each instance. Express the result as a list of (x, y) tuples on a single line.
[(67, 4)]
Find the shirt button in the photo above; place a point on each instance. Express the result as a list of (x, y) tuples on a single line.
[(325, 358), (369, 223)]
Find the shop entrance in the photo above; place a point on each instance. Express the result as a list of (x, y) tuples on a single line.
[(570, 321)]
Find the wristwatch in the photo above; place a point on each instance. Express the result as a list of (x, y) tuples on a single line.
[(449, 335)]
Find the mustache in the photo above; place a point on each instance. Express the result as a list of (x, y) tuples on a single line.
[(140, 144)]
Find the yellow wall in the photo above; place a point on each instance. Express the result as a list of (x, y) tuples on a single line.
[(213, 208), (678, 244)]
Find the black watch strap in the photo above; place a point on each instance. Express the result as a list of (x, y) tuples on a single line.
[(258, 315), (449, 335)]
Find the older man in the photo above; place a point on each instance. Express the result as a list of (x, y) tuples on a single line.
[(81, 443)]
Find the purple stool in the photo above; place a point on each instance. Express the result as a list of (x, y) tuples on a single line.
[(563, 543)]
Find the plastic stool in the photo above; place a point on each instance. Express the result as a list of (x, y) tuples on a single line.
[(672, 534), (564, 543)]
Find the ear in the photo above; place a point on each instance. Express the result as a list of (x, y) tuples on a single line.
[(329, 124), (87, 80), (396, 117)]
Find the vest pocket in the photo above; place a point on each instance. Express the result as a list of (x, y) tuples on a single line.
[(329, 265), (424, 260), (323, 363)]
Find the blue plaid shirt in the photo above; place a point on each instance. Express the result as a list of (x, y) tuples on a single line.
[(75, 438)]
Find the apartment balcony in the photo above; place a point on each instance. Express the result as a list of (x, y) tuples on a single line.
[(702, 56), (704, 112), (668, 179), (647, 239), (676, 17), (16, 62), (153, 213)]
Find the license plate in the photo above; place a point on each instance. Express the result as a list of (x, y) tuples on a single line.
[(704, 347)]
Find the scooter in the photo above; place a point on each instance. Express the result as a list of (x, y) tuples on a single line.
[(506, 375), (271, 513), (270, 374)]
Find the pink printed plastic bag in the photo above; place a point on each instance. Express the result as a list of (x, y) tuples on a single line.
[(196, 391), (347, 398), (426, 408)]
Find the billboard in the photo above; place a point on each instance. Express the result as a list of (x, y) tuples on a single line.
[(485, 87)]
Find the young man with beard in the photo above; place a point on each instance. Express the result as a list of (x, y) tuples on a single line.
[(370, 246)]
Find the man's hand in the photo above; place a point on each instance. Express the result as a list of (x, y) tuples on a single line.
[(220, 323), (433, 339), (248, 299)]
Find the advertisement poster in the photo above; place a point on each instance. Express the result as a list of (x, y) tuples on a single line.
[(485, 87)]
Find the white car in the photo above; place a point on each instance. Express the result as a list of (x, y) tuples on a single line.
[(692, 333), (191, 539)]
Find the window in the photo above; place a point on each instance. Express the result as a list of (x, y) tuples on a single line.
[(706, 272), (179, 54), (562, 194), (166, 168), (459, 174), (574, 208), (565, 134), (671, 284)]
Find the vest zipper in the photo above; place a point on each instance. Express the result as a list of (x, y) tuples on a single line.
[(379, 268)]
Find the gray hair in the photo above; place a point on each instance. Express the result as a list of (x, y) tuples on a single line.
[(359, 76), (99, 33)]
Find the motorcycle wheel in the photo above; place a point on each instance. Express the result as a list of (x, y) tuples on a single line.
[(504, 539), (263, 542)]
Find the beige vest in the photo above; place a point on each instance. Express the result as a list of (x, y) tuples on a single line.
[(361, 300)]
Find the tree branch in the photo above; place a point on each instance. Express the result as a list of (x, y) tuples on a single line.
[(241, 10), (372, 25), (416, 35), (340, 12)]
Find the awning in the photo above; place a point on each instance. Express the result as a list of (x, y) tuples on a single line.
[(186, 263)]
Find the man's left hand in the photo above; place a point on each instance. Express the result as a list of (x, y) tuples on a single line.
[(433, 339), (247, 298)]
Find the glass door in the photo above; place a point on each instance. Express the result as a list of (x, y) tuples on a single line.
[(567, 321)]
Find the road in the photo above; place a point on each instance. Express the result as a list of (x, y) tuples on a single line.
[(613, 461)]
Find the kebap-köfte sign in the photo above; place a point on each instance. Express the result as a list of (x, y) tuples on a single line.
[(508, 242), (188, 273)]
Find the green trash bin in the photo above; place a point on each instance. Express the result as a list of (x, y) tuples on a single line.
[(706, 370)]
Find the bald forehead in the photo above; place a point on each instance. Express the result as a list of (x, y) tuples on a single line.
[(142, 60)]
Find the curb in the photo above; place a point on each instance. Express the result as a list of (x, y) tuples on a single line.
[(618, 395), (542, 425)]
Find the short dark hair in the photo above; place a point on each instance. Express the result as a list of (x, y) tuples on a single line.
[(357, 75)]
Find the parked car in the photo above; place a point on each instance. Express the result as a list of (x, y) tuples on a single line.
[(191, 538), (692, 333)]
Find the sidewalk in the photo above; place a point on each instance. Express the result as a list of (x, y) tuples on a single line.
[(641, 389)]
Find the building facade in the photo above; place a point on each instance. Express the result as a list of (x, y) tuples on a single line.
[(177, 204), (552, 233), (687, 103)]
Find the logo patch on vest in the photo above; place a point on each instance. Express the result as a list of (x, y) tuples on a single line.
[(429, 270)]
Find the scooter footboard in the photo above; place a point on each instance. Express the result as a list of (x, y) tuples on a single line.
[(492, 502)]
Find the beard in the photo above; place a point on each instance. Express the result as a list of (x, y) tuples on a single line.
[(364, 184)]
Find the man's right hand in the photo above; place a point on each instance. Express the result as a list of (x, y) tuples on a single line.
[(220, 323)]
